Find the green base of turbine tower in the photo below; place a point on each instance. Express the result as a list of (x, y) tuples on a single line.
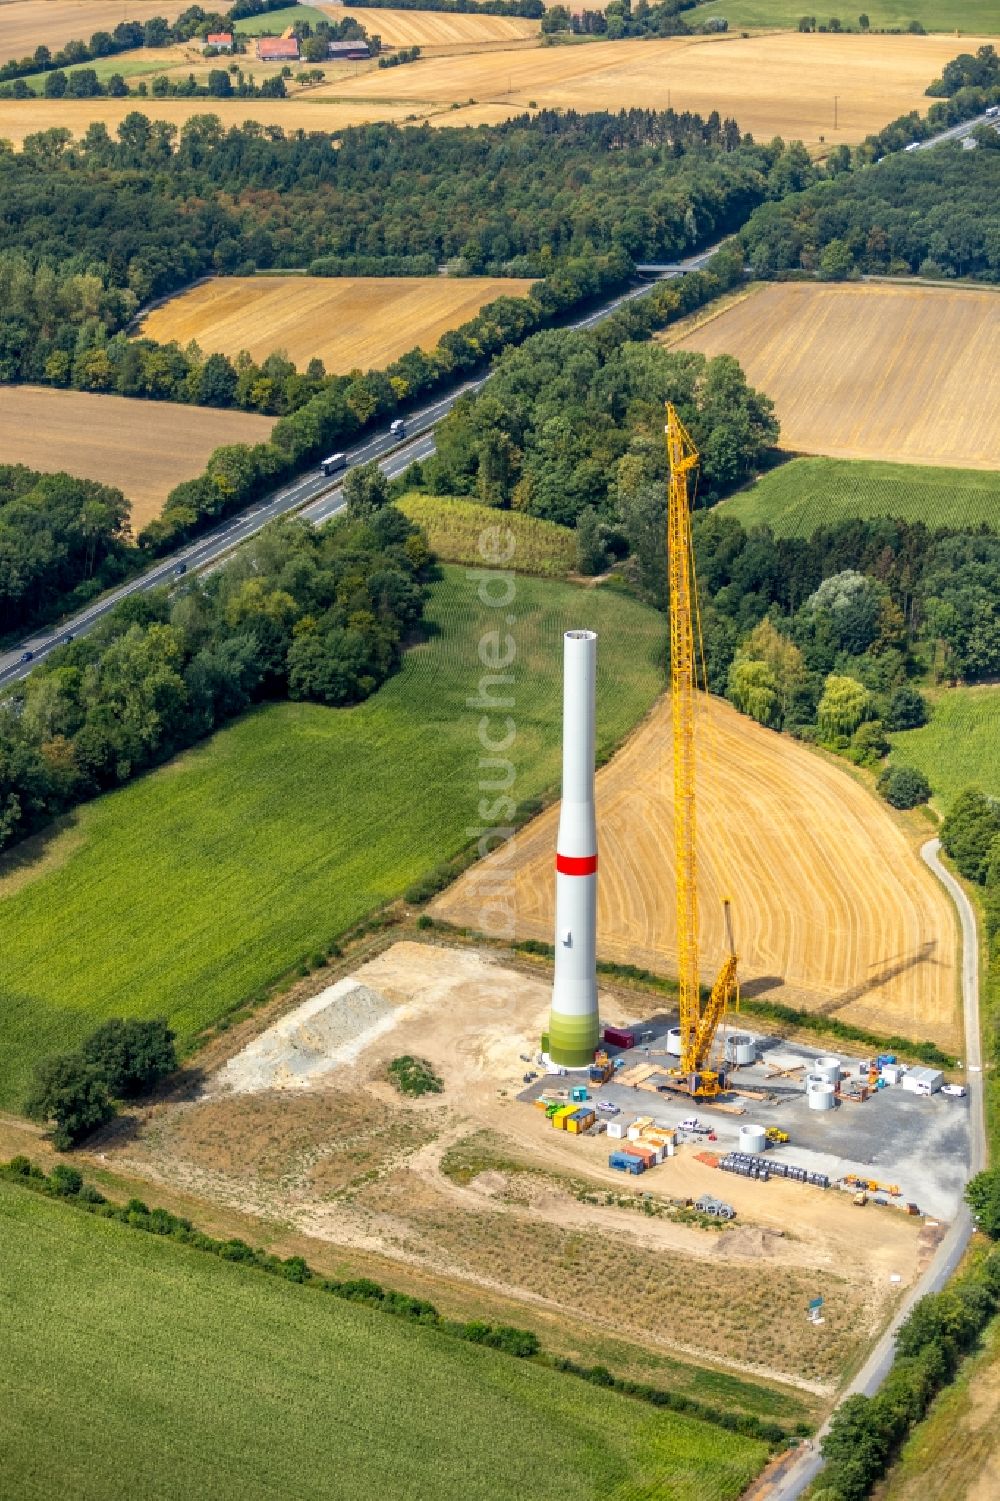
[(573, 1039)]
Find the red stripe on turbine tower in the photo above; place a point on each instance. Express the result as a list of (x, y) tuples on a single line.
[(576, 865)]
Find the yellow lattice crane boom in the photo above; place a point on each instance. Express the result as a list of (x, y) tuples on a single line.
[(698, 1028)]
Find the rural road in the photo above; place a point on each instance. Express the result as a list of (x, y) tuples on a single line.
[(312, 495), (802, 1471)]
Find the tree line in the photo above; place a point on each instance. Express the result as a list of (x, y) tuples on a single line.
[(299, 612), (866, 1433), (620, 18), (970, 835), (62, 541)]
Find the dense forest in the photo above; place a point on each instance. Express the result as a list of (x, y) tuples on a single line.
[(62, 542), (93, 230), (830, 637), (300, 612), (565, 424), (932, 213)]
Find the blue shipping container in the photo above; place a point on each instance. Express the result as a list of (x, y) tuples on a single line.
[(624, 1162)]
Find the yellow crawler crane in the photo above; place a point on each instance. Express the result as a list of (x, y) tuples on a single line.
[(698, 1028)]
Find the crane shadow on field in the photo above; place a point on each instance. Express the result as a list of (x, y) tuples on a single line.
[(891, 969), (760, 985)]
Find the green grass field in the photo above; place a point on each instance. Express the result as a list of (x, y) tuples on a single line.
[(274, 22), (960, 747), (189, 890), (460, 530), (979, 17), (803, 494), (134, 1366), (143, 62)]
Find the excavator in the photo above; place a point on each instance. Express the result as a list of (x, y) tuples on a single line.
[(696, 1074)]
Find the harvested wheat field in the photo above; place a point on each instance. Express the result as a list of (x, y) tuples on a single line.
[(347, 322), (833, 909), (143, 447), (773, 85), (438, 30), (24, 24), (864, 372), (24, 117)]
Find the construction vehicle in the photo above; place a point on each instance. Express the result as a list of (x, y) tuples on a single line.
[(775, 1136), (872, 1185), (695, 1074), (601, 1070), (860, 1197)]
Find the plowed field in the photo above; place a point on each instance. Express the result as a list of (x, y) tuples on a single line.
[(864, 372), (773, 85), (143, 447), (24, 24), (833, 909), (347, 322), (438, 29)]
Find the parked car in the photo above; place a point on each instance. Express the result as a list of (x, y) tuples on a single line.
[(957, 1090), (608, 1108)]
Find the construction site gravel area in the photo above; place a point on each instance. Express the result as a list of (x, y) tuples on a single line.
[(301, 1126), (833, 909)]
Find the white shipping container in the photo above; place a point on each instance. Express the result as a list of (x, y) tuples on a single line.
[(923, 1080), (617, 1129)]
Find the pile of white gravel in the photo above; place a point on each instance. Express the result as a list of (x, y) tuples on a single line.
[(324, 1033)]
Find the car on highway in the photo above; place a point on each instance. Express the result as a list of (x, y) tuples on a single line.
[(397, 429), (181, 568), (27, 656), (333, 463)]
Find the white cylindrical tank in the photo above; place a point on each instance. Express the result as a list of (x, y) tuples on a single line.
[(740, 1048), (753, 1139), (822, 1096), (674, 1042), (827, 1069), (574, 1027)]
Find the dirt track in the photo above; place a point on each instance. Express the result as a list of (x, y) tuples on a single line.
[(832, 907)]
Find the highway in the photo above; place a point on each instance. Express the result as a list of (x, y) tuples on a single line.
[(958, 132), (313, 495), (803, 1470)]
